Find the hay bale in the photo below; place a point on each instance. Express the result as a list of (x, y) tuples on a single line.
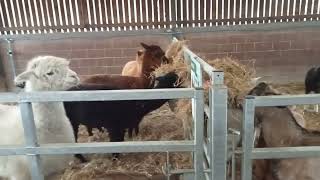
[(237, 77)]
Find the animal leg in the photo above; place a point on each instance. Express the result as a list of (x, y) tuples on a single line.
[(78, 156), (130, 132), (317, 107), (116, 135), (81, 158), (89, 129), (136, 130)]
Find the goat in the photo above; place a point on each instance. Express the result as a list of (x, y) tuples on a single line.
[(312, 83), (44, 73), (279, 128), (115, 116)]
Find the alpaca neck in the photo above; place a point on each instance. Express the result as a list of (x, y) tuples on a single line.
[(47, 111)]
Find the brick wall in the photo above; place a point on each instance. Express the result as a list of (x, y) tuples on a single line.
[(281, 56), (88, 56)]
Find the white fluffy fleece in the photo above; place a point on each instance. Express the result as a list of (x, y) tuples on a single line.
[(43, 73)]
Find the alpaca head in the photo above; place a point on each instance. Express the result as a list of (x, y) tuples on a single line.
[(169, 80), (263, 89), (151, 57), (46, 73)]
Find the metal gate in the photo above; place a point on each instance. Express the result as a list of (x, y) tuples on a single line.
[(249, 152)]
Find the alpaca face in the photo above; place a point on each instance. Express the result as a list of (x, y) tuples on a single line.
[(47, 73)]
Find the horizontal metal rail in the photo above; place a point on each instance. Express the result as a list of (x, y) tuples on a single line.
[(99, 95), (285, 100), (100, 147), (286, 152)]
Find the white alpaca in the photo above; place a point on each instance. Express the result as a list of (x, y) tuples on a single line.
[(43, 73)]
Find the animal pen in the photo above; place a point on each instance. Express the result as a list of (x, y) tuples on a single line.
[(50, 20)]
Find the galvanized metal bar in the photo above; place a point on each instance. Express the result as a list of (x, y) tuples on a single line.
[(100, 147), (11, 61), (208, 110), (206, 67), (219, 127), (31, 140), (286, 152), (197, 103), (166, 31), (100, 95), (233, 160), (247, 138), (284, 100)]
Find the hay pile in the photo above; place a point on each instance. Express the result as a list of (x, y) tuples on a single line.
[(158, 125), (237, 77)]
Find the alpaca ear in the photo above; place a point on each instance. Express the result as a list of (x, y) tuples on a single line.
[(139, 53), (144, 45), (21, 79)]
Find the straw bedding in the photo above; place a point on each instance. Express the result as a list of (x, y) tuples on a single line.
[(158, 125)]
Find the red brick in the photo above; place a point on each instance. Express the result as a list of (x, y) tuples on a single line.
[(264, 55), (238, 38), (122, 61), (82, 70), (104, 62), (245, 47), (20, 64), (124, 42), (87, 62), (63, 54), (95, 53), (315, 44), (223, 48), (301, 53), (114, 69), (238, 55), (214, 55), (114, 52), (212, 48), (281, 45), (103, 43), (129, 52), (83, 44), (306, 44), (57, 45), (98, 70), (79, 53), (74, 63), (33, 46), (263, 46)]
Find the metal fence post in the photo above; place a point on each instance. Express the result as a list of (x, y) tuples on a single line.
[(218, 135), (198, 117), (10, 54), (31, 140), (247, 138)]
